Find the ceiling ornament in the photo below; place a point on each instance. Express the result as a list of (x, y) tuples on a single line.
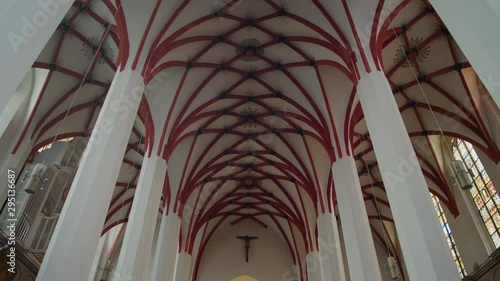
[(413, 54), (364, 168), (250, 50), (250, 117), (360, 165), (105, 50), (248, 181)]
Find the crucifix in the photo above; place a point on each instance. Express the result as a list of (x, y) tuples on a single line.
[(247, 243)]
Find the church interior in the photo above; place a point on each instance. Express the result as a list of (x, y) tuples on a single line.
[(245, 140)]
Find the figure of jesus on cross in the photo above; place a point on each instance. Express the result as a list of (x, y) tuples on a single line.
[(247, 243)]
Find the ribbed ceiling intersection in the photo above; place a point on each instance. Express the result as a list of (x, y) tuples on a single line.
[(263, 102)]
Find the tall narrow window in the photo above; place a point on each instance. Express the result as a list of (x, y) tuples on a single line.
[(449, 237), (483, 192)]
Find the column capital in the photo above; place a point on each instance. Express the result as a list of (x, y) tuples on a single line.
[(141, 25), (374, 74), (343, 160)]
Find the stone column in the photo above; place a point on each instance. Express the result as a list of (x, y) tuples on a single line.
[(167, 247), (183, 267), (313, 266), (76, 236), (137, 244), (426, 253), (358, 239), (330, 251)]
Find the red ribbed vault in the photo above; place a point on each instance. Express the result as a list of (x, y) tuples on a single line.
[(263, 102), (251, 118)]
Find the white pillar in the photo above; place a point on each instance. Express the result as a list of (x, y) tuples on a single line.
[(490, 167), (152, 253), (358, 239), (427, 256), (97, 258), (164, 263), (313, 266), (136, 248), (330, 250), (74, 242), (25, 29), (478, 36), (298, 271), (183, 267)]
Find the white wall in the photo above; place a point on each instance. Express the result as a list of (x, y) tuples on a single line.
[(224, 256)]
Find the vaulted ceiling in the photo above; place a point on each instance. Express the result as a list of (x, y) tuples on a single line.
[(263, 101)]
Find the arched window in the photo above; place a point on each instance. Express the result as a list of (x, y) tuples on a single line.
[(449, 237), (483, 192)]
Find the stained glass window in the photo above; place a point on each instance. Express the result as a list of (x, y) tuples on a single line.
[(483, 192), (449, 237)]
